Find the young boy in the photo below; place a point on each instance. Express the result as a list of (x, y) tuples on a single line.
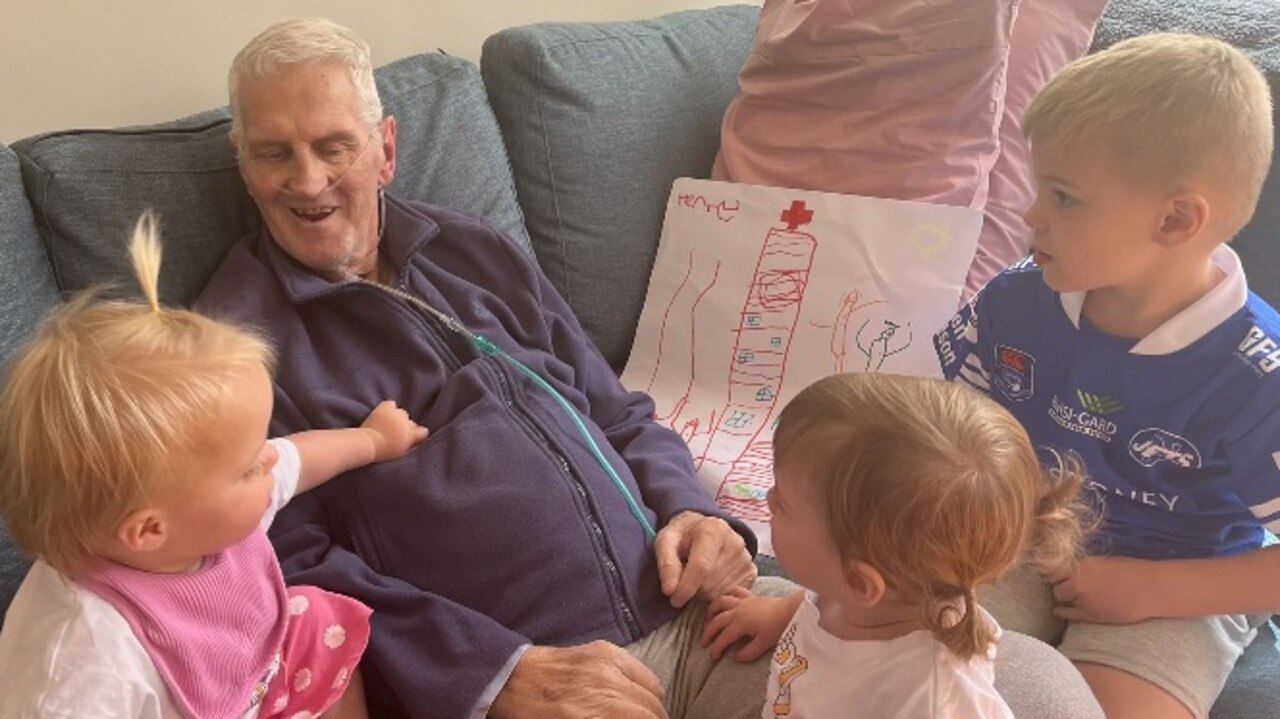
[(1130, 337)]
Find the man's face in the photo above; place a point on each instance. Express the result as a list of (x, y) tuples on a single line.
[(314, 167)]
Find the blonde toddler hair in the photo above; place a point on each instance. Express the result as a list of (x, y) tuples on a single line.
[(935, 486), (1172, 108), (99, 401)]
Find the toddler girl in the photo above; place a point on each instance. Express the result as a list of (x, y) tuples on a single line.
[(135, 466), (895, 498)]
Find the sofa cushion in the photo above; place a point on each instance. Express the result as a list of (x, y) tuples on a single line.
[(87, 187), (25, 295), (1254, 27), (811, 112), (599, 119), (29, 289)]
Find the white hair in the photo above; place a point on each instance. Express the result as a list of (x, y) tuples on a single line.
[(305, 41)]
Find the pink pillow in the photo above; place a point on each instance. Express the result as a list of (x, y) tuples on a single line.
[(1047, 35), (872, 97)]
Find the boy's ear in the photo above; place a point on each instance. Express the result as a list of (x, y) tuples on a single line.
[(864, 582), (144, 530), (1185, 219)]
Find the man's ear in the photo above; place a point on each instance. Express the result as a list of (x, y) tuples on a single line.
[(864, 582), (388, 169), (143, 531), (1186, 216)]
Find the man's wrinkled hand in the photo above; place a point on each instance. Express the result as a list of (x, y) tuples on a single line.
[(701, 556), (591, 680)]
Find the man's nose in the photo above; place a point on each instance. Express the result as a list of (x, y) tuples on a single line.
[(308, 175)]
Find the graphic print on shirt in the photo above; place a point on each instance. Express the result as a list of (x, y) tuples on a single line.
[(1014, 373), (1260, 350), (957, 348), (790, 665), (1086, 415), (1153, 445)]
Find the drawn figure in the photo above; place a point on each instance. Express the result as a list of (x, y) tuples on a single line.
[(882, 345), (877, 338), (766, 327)]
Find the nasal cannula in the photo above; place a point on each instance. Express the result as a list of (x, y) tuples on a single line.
[(483, 344)]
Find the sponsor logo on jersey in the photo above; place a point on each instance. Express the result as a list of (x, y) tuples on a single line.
[(1014, 373), (1260, 350), (1098, 404), (1153, 445), (1081, 421)]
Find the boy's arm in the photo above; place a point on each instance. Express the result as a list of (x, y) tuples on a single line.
[(1120, 590), (387, 433)]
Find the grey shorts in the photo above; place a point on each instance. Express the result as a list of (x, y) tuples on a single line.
[(1188, 658)]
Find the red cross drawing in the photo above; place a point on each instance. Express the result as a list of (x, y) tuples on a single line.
[(797, 215)]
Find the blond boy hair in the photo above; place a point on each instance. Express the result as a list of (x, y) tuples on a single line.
[(1176, 109), (99, 402), (935, 486)]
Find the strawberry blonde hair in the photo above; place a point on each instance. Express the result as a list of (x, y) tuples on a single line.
[(935, 486), (98, 402)]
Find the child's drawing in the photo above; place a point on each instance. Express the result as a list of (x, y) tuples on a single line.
[(758, 291)]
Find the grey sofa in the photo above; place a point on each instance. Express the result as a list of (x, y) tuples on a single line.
[(567, 136)]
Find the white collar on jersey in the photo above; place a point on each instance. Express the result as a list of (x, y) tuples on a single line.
[(1189, 325)]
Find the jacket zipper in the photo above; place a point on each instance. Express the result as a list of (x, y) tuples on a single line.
[(532, 427)]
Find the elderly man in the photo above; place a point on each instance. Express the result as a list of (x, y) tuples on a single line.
[(509, 558)]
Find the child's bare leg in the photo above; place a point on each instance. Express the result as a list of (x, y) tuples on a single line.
[(1128, 696), (351, 705)]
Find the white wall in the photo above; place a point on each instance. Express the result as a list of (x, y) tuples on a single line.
[(105, 63)]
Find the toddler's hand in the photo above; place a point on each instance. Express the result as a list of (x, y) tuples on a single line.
[(738, 613), (392, 430)]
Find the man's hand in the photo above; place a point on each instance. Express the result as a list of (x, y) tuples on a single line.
[(738, 614), (701, 556), (1107, 590), (392, 431), (592, 680)]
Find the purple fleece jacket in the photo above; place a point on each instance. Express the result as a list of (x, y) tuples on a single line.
[(501, 529)]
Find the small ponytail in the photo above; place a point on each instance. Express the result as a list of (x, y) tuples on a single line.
[(144, 251), (959, 628)]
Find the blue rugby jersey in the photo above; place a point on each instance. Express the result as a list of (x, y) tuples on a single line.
[(1180, 431)]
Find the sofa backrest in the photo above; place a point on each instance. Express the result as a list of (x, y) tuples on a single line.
[(26, 293), (599, 119), (85, 189)]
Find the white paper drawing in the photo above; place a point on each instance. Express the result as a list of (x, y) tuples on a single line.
[(757, 292)]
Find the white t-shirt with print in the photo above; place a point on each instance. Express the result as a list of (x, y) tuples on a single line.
[(815, 675)]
